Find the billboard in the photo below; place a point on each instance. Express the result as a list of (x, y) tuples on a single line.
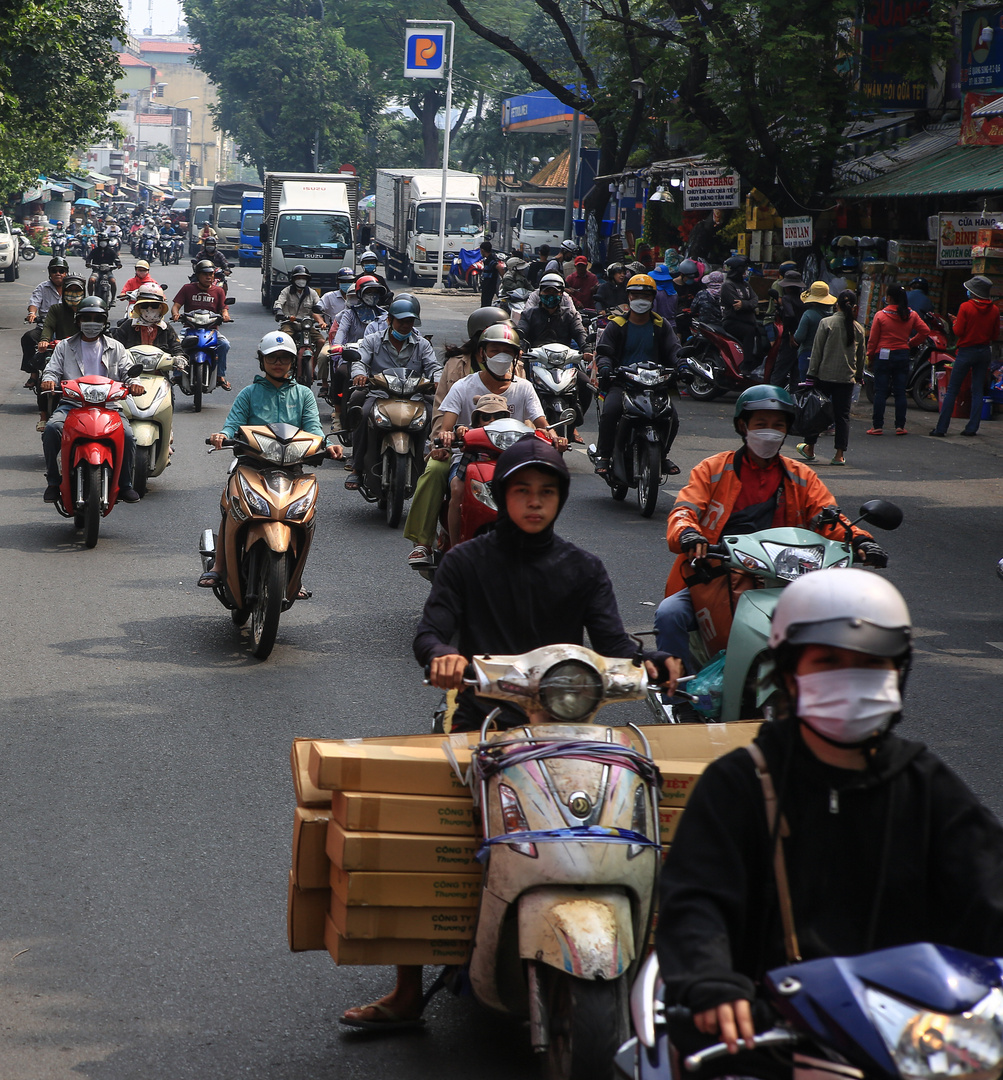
[(981, 130), (982, 49), (709, 188), (880, 34), (424, 54), (540, 112), (956, 236)]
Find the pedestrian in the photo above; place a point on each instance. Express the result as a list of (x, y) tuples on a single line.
[(490, 277), (818, 303), (789, 309), (976, 326), (582, 284), (894, 330), (837, 365)]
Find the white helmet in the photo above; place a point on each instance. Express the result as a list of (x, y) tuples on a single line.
[(569, 246), (276, 341), (852, 609), (553, 281)]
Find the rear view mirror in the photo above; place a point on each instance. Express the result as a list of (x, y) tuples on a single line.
[(135, 370), (882, 514), (230, 300)]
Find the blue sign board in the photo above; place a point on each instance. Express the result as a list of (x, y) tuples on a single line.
[(540, 112), (982, 49), (424, 54)]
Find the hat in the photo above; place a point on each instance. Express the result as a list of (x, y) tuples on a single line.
[(818, 294), (661, 273), (715, 277), (979, 286), (491, 403), (142, 264), (581, 260), (513, 262), (792, 279), (530, 452)]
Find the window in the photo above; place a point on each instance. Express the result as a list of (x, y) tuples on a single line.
[(228, 217), (543, 218), (465, 219), (4, 226), (202, 215), (313, 231), (252, 220)]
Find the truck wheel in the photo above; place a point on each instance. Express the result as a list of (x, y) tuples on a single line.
[(10, 273), (265, 302), (409, 275)]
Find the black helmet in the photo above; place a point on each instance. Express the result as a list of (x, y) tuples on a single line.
[(615, 268), (91, 305), (203, 266), (917, 283), (484, 317), (300, 271), (209, 240), (58, 263), (346, 274)]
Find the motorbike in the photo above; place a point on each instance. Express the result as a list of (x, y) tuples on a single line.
[(569, 815), (926, 361), (514, 303), (306, 360), (339, 389), (465, 270), (147, 248), (103, 288), (554, 371), (25, 249), (59, 242), (644, 434), (200, 343), (711, 362), (271, 504), (91, 454), (47, 400), (177, 249), (894, 1014), (151, 414), (395, 453), (165, 250), (745, 575)]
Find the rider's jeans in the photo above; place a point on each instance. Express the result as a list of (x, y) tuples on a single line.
[(221, 353), (52, 442), (674, 622)]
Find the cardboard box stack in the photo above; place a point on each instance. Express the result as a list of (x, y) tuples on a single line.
[(385, 838)]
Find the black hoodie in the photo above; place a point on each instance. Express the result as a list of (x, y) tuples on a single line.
[(902, 852)]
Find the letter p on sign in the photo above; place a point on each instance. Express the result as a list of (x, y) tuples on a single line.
[(424, 54)]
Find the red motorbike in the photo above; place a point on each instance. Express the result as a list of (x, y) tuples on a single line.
[(92, 450), (711, 362)]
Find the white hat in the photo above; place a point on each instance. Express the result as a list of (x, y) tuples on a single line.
[(276, 341)]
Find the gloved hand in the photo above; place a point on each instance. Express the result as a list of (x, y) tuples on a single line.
[(871, 554), (605, 377), (689, 539)]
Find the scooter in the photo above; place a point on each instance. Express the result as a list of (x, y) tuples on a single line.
[(26, 250), (514, 303), (201, 345), (926, 362), (465, 270), (747, 576), (103, 287), (91, 453), (569, 814), (271, 506), (896, 1014), (305, 368), (59, 242), (644, 434), (711, 362), (165, 249), (554, 371), (151, 414)]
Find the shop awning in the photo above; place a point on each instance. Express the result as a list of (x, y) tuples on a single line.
[(960, 170)]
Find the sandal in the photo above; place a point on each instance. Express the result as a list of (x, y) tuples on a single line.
[(303, 594), (901, 431), (385, 1019), (209, 580), (420, 556), (40, 426), (670, 467), (576, 438), (602, 465), (838, 461), (802, 449), (223, 384), (352, 482), (875, 431)]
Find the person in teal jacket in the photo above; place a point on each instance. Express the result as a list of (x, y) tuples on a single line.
[(273, 398)]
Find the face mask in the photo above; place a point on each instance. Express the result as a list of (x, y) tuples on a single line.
[(369, 299), (765, 443), (549, 301), (640, 306), (344, 287), (397, 335), (498, 365), (149, 315), (849, 705), (73, 300), (369, 268), (91, 329), (299, 282)]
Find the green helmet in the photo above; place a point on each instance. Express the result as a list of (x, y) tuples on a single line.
[(763, 398), (92, 306)]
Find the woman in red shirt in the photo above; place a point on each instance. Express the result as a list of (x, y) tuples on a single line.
[(894, 330)]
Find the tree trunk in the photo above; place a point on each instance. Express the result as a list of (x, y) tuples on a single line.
[(431, 154)]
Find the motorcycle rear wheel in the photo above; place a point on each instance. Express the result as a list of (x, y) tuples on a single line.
[(92, 507), (648, 477), (28, 253), (924, 390), (588, 1024), (395, 466), (272, 577), (702, 389)]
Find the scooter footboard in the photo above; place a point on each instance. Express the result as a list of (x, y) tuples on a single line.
[(587, 934)]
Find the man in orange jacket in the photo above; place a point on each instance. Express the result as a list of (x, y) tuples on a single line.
[(738, 492)]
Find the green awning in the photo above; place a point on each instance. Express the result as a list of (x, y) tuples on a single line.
[(960, 170)]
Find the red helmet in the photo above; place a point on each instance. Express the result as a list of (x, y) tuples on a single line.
[(364, 280)]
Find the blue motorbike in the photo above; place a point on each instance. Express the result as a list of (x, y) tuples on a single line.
[(914, 1012), (201, 346)]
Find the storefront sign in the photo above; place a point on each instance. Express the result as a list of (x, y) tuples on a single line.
[(956, 236), (980, 130), (797, 231), (711, 189), (982, 49), (880, 30)]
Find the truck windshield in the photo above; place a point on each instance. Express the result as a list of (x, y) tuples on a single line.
[(228, 217), (463, 218), (543, 218), (313, 231), (202, 215), (252, 219)]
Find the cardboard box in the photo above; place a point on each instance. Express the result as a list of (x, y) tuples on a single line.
[(697, 742), (306, 912), (311, 866), (668, 822), (988, 266), (419, 924), (390, 951), (306, 793), (360, 888), (364, 811), (989, 237), (403, 766), (401, 851)]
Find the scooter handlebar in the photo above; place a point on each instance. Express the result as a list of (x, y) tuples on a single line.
[(469, 675)]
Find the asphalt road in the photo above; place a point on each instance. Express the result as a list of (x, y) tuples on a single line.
[(145, 785)]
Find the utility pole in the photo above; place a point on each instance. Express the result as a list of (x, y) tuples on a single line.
[(576, 147), (316, 130)]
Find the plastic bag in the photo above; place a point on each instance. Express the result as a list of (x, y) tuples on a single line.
[(707, 686), (813, 411)]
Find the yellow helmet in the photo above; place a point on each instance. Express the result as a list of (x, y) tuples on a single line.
[(642, 281)]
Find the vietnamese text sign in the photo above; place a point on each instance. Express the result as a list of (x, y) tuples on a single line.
[(956, 236), (881, 25), (980, 130), (424, 54), (797, 231), (711, 189), (982, 49)]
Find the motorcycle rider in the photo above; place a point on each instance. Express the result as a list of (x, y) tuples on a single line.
[(687, 281), (90, 351), (559, 261), (296, 300), (43, 296), (581, 284), (882, 844), (138, 280), (205, 295), (149, 231), (58, 324), (612, 293), (640, 336), (102, 257), (59, 239), (332, 303), (147, 325), (274, 397), (739, 304), (516, 588), (539, 267), (368, 261), (514, 277), (211, 251), (918, 295), (399, 346), (739, 492), (551, 322), (354, 319)]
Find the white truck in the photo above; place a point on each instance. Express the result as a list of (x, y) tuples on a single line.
[(407, 219), (308, 218), (521, 221)]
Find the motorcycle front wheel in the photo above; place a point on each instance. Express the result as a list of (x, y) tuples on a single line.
[(92, 507), (28, 253), (196, 378), (648, 476), (272, 577), (395, 468), (588, 1024), (145, 458)]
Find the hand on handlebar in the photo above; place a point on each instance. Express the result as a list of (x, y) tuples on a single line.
[(360, 380), (447, 672), (693, 543), (732, 1021), (871, 554), (217, 440), (48, 385), (337, 452)]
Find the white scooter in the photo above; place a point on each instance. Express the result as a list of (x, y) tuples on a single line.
[(570, 824), (151, 413)]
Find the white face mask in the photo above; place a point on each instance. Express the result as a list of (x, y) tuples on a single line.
[(498, 365), (849, 705), (640, 306), (299, 282), (149, 315), (369, 299), (765, 443), (91, 329)]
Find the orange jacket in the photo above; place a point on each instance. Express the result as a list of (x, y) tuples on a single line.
[(707, 501)]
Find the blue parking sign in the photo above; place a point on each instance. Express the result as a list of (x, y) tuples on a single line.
[(424, 54)]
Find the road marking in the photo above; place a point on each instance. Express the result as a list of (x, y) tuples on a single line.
[(996, 645)]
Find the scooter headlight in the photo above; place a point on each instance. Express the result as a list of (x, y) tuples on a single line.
[(791, 562), (927, 1045), (95, 394), (571, 690), (301, 507), (253, 499), (380, 418), (482, 493), (271, 449), (418, 422)]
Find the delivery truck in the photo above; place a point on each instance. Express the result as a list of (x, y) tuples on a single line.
[(407, 219), (309, 218), (251, 213), (226, 212), (521, 221), (199, 212)]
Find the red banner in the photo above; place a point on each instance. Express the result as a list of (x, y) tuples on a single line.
[(980, 130)]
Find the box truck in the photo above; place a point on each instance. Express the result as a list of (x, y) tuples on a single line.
[(199, 212), (407, 219), (309, 218), (251, 213), (522, 221), (226, 201)]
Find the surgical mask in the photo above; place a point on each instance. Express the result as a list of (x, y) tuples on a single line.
[(549, 301), (397, 335), (849, 705), (344, 286), (765, 443), (149, 315), (640, 306), (299, 282), (91, 329), (369, 268), (498, 365)]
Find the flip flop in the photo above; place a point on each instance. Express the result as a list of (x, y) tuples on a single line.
[(838, 462), (352, 482), (304, 594), (209, 580), (390, 1021), (802, 450), (671, 468)]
